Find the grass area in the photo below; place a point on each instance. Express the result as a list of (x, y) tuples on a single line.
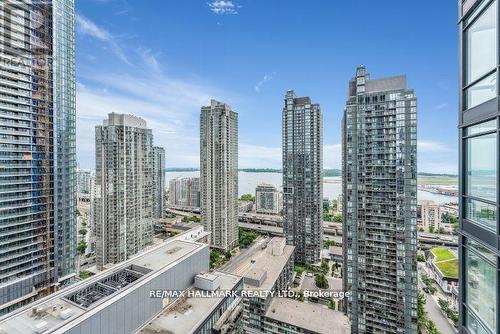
[(85, 274), (442, 254), (437, 180), (448, 268), (446, 261), (299, 268)]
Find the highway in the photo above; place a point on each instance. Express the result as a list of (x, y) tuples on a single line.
[(272, 225)]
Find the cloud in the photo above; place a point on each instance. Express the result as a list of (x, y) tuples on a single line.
[(425, 146), (254, 156), (441, 106), (223, 7), (87, 27), (170, 106), (265, 79)]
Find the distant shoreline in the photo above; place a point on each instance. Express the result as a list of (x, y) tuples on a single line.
[(326, 172)]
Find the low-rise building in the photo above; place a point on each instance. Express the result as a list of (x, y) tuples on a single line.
[(271, 269), (118, 300), (285, 315), (202, 315), (443, 265), (336, 254)]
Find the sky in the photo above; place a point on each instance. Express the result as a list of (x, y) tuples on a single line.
[(164, 59)]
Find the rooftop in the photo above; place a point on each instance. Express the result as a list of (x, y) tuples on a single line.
[(385, 84), (89, 296), (185, 315), (313, 317), (446, 261), (268, 262)]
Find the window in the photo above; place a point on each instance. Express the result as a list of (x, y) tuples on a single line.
[(480, 296), (482, 91), (482, 127), (481, 45), (480, 48), (481, 213), (481, 167)]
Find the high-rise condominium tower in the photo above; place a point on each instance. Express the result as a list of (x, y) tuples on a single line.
[(379, 174), (159, 182), (479, 247), (124, 188), (219, 174), (302, 177), (37, 149)]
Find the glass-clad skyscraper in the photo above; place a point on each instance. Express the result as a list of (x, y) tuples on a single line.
[(37, 149), (302, 177), (379, 171), (479, 175)]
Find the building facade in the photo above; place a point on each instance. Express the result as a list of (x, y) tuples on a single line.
[(379, 210), (219, 174), (116, 301), (185, 192), (428, 216), (159, 182), (123, 207), (302, 177), (268, 199), (479, 247), (83, 178), (37, 149)]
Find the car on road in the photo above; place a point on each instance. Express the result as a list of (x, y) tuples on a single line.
[(426, 290)]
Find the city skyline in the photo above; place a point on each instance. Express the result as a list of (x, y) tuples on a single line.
[(167, 85)]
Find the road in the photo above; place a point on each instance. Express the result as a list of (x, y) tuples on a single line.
[(434, 312), (240, 263)]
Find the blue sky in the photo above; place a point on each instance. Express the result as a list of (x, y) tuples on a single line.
[(163, 59)]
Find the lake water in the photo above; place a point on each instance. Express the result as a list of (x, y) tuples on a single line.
[(331, 188)]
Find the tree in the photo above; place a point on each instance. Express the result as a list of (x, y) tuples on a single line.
[(331, 304), (321, 281), (191, 219), (421, 313), (420, 257), (82, 232), (247, 198), (82, 246), (442, 230), (246, 238), (431, 229), (324, 266), (337, 218)]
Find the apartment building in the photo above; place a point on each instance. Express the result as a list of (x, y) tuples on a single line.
[(379, 180), (159, 182), (302, 137), (184, 192), (124, 184), (37, 149), (219, 174), (428, 216), (268, 199)]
